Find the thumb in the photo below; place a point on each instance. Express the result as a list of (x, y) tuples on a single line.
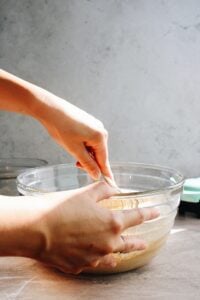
[(100, 190)]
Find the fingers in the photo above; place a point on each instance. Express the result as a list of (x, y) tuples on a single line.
[(98, 149), (86, 161), (130, 243), (126, 244), (102, 161), (137, 216), (101, 155), (93, 156), (107, 261)]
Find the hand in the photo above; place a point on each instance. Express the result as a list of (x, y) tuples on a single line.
[(79, 233), (79, 133)]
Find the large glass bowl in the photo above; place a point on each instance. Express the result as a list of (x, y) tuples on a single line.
[(155, 186)]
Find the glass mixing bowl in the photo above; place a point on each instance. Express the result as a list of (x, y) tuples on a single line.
[(155, 186)]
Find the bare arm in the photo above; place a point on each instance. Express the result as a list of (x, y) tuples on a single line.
[(17, 95), (79, 133)]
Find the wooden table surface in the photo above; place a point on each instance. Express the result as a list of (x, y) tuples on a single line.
[(173, 274)]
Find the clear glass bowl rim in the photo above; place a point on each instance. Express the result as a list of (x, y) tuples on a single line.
[(10, 167), (174, 186)]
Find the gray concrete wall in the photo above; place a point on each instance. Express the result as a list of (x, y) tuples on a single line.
[(133, 64)]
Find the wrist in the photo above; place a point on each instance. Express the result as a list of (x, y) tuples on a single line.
[(45, 105), (20, 231)]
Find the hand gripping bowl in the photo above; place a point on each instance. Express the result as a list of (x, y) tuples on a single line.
[(156, 186)]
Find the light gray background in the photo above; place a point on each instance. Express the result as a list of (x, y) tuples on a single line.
[(133, 64)]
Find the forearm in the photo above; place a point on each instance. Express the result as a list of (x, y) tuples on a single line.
[(20, 231), (20, 96)]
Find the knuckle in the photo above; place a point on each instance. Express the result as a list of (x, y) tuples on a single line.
[(99, 124), (97, 135), (141, 217), (102, 251), (116, 223), (117, 226), (109, 248), (100, 134), (93, 263)]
